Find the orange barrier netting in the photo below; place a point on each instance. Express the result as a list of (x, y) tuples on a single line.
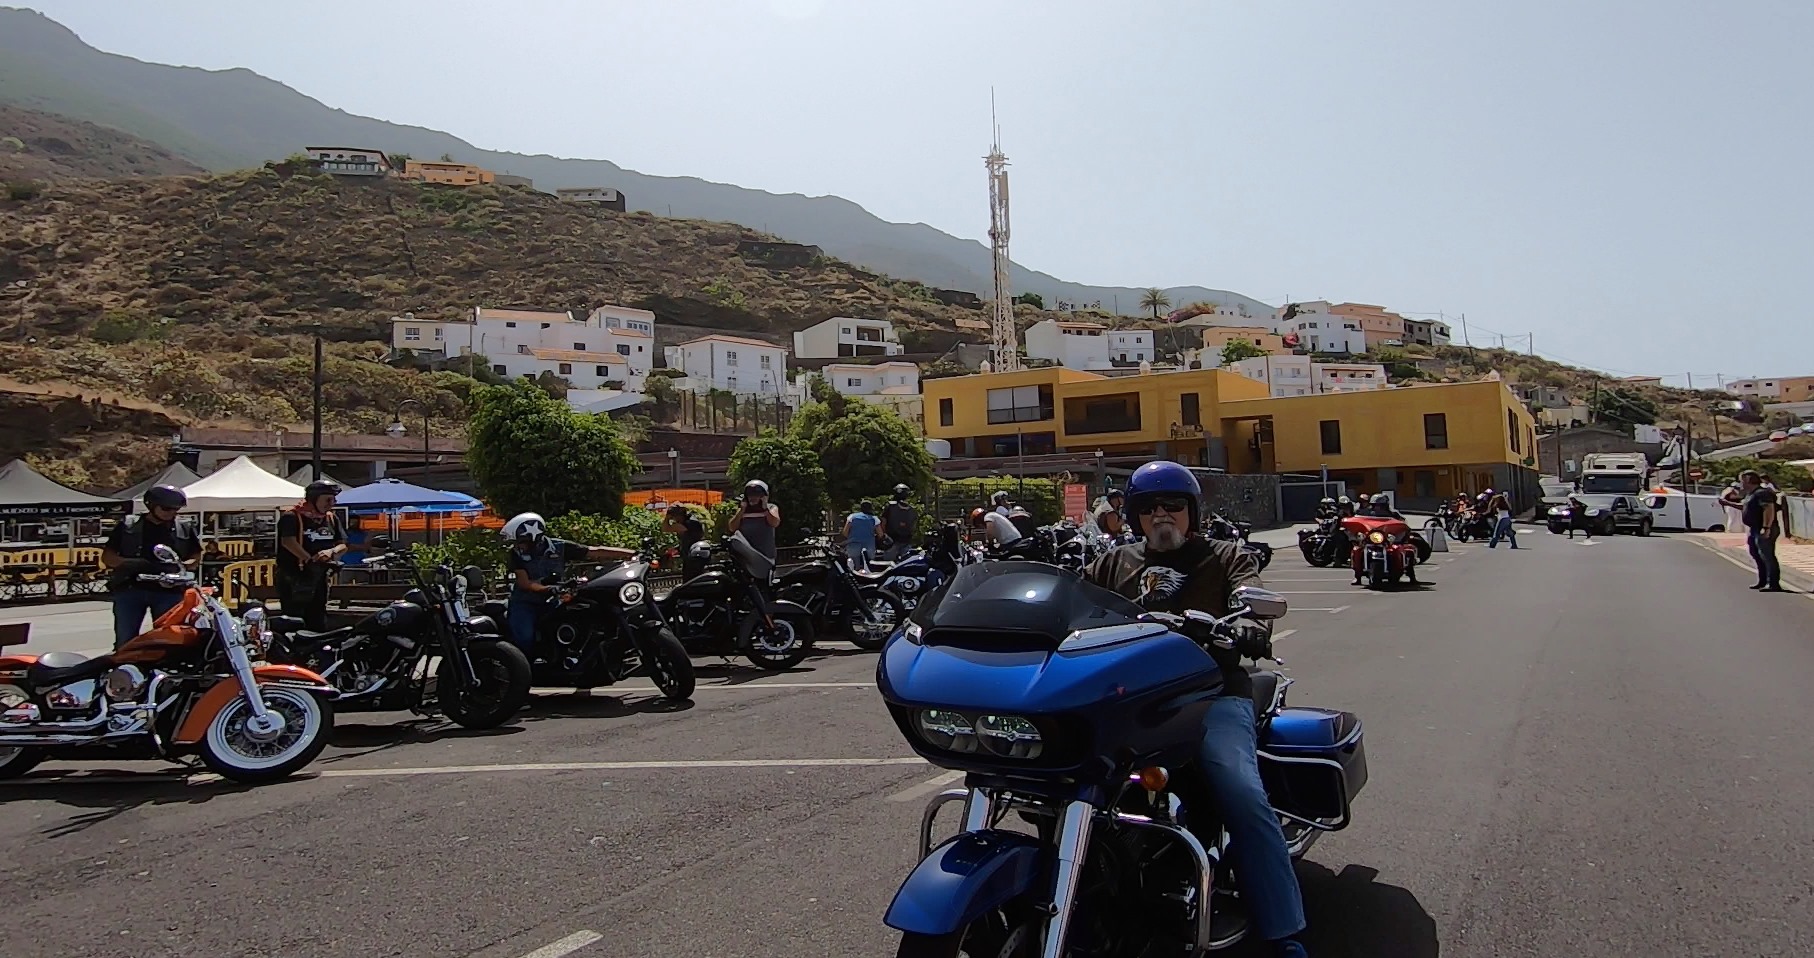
[(691, 497)]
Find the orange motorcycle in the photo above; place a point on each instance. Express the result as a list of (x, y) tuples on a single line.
[(187, 689)]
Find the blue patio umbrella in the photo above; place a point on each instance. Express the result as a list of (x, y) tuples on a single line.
[(387, 494)]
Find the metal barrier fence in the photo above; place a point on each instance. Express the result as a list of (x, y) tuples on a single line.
[(1798, 516)]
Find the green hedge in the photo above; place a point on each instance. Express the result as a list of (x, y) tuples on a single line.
[(1042, 498)]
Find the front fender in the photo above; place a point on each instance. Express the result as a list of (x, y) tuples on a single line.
[(788, 607), (964, 879), (218, 697)]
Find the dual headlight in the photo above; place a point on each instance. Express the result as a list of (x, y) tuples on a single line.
[(1007, 736)]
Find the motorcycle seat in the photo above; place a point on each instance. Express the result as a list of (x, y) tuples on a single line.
[(304, 635), (60, 668), (1265, 689), (869, 575), (285, 624)]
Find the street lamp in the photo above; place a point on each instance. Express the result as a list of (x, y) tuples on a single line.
[(396, 428), (315, 448), (1101, 476), (674, 466)]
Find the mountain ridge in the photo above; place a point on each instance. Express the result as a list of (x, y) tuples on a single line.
[(237, 118)]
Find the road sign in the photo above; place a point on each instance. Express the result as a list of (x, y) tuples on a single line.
[(1697, 474)]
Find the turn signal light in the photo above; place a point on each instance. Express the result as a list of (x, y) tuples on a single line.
[(1154, 778)]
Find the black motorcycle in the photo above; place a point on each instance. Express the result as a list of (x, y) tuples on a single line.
[(731, 609), (1232, 530), (1326, 544), (605, 628), (383, 663), (843, 600), (1474, 525)]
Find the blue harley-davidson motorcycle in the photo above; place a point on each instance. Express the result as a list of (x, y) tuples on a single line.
[(1075, 711)]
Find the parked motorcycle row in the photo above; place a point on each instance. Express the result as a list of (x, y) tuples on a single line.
[(1381, 551)]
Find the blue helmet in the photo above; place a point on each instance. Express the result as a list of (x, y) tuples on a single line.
[(1162, 478)]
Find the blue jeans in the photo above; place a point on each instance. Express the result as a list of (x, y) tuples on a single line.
[(1763, 553), (130, 606), (1269, 886), (859, 555), (1503, 530), (523, 613)]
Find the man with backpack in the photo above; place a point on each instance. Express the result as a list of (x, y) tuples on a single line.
[(129, 553), (900, 524)]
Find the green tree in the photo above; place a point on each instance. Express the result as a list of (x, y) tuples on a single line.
[(531, 452), (866, 451), (1619, 406), (1786, 476), (1236, 350), (663, 398), (1031, 299), (796, 481), (1155, 300)]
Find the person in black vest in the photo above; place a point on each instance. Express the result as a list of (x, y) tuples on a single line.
[(900, 523), (128, 553), (309, 540)]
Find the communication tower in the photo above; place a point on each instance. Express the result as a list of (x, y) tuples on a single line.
[(1003, 339)]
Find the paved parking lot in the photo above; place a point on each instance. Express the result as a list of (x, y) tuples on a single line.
[(1574, 750)]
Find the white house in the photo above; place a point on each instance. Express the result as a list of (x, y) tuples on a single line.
[(1130, 347), (511, 338), (1350, 377), (584, 369), (842, 336), (857, 379), (349, 160), (1075, 345), (592, 194), (739, 366), (1427, 332), (1319, 330), (1222, 316), (1298, 376)]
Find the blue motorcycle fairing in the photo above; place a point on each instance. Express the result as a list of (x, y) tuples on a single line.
[(964, 879)]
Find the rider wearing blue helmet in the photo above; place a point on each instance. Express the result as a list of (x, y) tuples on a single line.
[(1173, 568)]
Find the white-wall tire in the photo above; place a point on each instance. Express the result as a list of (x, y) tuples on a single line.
[(231, 753)]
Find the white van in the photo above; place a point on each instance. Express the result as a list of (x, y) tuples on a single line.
[(1686, 512)]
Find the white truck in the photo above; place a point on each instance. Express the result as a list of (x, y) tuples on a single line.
[(1614, 473)]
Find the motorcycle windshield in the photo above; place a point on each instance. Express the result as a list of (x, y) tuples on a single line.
[(1017, 603)]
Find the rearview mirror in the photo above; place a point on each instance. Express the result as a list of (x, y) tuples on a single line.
[(379, 543), (1261, 603)]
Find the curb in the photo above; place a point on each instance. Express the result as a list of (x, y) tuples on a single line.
[(1792, 578)]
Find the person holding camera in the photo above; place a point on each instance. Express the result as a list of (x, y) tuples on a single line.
[(683, 525), (757, 520)]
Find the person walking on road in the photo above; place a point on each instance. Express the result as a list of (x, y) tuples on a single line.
[(128, 553), (1500, 509), (1763, 527)]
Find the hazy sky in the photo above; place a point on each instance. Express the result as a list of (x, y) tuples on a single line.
[(1624, 179)]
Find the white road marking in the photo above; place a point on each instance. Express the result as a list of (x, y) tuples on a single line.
[(615, 689), (1337, 609), (207, 778), (1333, 592), (926, 787), (567, 945), (1288, 633)]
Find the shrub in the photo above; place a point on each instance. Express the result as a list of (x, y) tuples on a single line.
[(23, 190), (1042, 498)]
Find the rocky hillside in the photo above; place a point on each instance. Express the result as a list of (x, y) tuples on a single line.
[(38, 146)]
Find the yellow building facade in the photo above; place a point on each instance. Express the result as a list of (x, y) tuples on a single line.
[(1216, 337), (1422, 442), (445, 173)]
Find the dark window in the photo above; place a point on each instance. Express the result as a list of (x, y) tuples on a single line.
[(623, 349), (579, 347), (1435, 430), (1511, 429), (944, 412), (566, 369), (601, 370), (1332, 437), (1020, 404), (1188, 412), (498, 369)]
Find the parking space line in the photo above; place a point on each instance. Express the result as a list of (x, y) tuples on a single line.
[(1337, 609), (25, 784), (703, 687), (567, 945), (1288, 633), (926, 787)]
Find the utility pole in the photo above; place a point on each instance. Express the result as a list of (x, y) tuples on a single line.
[(315, 450), (1593, 406), (1465, 341)]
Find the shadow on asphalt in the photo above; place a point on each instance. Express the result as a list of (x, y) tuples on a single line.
[(1354, 915), (111, 798), (363, 740), (600, 704)]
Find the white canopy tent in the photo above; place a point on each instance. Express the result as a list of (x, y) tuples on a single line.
[(241, 486)]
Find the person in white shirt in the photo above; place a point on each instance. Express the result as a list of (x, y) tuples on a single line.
[(998, 529)]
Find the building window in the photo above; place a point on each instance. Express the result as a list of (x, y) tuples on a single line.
[(509, 325), (499, 369), (767, 362), (522, 350), (1511, 428), (944, 412), (546, 325), (1332, 437), (601, 371), (623, 349), (1435, 430), (579, 347), (1188, 413), (730, 383), (852, 381), (412, 333), (1020, 404), (438, 332), (566, 369), (730, 358)]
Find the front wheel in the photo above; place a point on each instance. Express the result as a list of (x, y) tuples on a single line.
[(503, 679), (987, 937), (887, 613), (234, 747), (15, 761), (778, 647), (666, 662), (1644, 528)]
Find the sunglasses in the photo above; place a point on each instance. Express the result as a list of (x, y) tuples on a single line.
[(1166, 503)]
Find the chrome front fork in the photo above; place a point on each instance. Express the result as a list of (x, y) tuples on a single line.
[(263, 723), (1073, 841)]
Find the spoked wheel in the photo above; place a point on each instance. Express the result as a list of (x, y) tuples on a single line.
[(666, 662), (886, 611), (16, 761), (780, 646), (504, 677), (990, 936), (237, 747)]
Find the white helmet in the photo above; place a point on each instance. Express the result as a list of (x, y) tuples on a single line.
[(527, 525)]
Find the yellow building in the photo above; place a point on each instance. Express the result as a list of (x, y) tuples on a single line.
[(1421, 442), (1216, 337), (445, 173)]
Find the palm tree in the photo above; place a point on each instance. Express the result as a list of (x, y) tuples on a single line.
[(1155, 300)]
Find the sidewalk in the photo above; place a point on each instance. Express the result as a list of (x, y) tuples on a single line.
[(1797, 558)]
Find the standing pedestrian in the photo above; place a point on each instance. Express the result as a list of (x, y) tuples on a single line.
[(309, 540), (129, 553), (860, 535), (683, 525), (1762, 528), (1500, 508), (757, 520), (900, 523)]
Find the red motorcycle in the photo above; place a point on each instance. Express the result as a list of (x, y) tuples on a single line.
[(1384, 550)]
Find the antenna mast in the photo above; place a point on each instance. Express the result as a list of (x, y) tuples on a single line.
[(1005, 343)]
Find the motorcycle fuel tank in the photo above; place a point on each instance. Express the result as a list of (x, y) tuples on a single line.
[(712, 584), (398, 618), (614, 579)]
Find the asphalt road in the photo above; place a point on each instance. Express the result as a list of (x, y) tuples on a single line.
[(1575, 750)]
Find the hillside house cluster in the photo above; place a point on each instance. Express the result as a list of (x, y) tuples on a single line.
[(1319, 326), (365, 161)]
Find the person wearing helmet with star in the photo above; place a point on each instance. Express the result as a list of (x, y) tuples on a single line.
[(535, 565), (1173, 568)]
